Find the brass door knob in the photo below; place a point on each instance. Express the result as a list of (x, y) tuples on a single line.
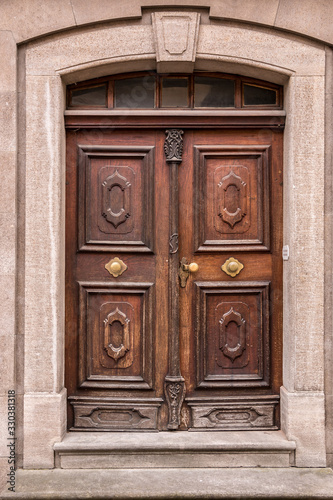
[(193, 267), (232, 267), (115, 267)]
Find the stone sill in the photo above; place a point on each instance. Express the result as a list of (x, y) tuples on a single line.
[(175, 441)]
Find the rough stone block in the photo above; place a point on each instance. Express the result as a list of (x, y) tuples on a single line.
[(7, 362), (7, 301), (7, 243), (8, 61), (265, 46), (8, 121), (8, 182), (104, 10), (44, 312), (36, 17), (303, 421), (254, 11), (44, 424), (305, 16), (95, 47)]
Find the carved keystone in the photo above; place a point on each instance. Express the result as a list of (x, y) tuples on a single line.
[(176, 37)]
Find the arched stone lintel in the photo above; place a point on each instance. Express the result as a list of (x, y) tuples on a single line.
[(223, 64)]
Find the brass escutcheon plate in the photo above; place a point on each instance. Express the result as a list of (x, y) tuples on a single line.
[(116, 267), (232, 267)]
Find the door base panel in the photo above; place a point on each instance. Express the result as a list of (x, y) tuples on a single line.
[(174, 450), (243, 413)]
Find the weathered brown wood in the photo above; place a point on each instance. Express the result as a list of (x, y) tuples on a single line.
[(174, 382), (185, 119), (219, 375)]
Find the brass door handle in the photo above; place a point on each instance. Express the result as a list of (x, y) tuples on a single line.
[(192, 268), (185, 269)]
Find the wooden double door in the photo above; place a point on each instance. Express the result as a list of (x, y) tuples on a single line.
[(173, 277)]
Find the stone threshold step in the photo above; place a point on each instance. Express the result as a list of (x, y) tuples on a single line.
[(174, 449), (254, 483)]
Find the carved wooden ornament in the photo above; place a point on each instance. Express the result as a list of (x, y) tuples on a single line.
[(109, 186), (173, 145), (227, 319), (235, 214), (113, 351)]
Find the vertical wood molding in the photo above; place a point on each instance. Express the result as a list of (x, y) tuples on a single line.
[(174, 384)]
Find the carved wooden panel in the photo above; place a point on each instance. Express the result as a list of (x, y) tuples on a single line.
[(257, 413), (116, 198), (104, 415), (115, 332), (232, 334), (232, 198)]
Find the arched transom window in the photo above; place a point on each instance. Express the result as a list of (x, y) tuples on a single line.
[(196, 91)]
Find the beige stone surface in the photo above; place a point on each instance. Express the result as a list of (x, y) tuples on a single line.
[(3, 426), (44, 424), (44, 327), (104, 10), (304, 232), (32, 18), (172, 460), (303, 421), (7, 243), (96, 45), (254, 46), (7, 361), (236, 65), (176, 38), (243, 483), (254, 11), (8, 61), (35, 18), (8, 121), (7, 301), (8, 182), (305, 16)]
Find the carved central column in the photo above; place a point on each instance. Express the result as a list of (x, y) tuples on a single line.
[(174, 384)]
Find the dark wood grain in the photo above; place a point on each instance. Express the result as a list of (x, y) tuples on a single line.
[(175, 334)]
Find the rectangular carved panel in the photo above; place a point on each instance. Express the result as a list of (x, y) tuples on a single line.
[(116, 198), (244, 414), (232, 198), (105, 415), (232, 334), (115, 332)]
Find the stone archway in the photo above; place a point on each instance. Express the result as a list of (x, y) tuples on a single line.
[(74, 56)]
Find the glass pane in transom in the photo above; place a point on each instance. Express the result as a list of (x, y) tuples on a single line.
[(256, 96), (210, 92), (93, 96), (175, 93), (135, 93)]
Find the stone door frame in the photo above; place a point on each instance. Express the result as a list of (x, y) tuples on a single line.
[(53, 62)]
